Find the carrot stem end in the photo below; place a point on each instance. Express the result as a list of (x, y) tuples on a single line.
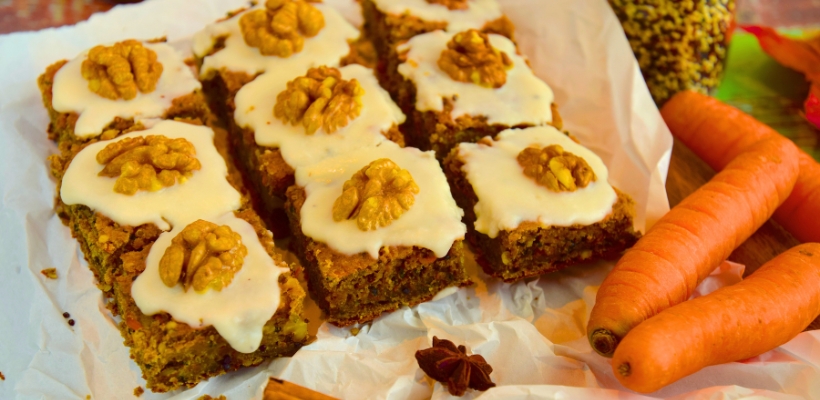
[(603, 342), (624, 369)]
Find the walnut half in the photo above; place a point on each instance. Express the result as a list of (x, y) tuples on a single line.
[(281, 27), (320, 99), (376, 195), (555, 169), (148, 163), (469, 57), (119, 71), (203, 256)]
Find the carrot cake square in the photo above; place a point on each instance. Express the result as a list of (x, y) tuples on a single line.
[(460, 87), (535, 201), (110, 88), (390, 22), (377, 229), (280, 35)]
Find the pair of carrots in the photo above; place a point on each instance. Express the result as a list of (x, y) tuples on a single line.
[(641, 317), (717, 133)]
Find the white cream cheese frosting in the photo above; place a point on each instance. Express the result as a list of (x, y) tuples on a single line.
[(507, 197), (523, 99), (206, 192), (326, 48), (477, 14), (433, 222), (71, 93), (238, 311), (254, 110)]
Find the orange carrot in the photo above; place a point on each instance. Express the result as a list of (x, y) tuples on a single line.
[(717, 133), (685, 245), (736, 322)]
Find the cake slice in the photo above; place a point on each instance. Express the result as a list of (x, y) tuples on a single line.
[(111, 88), (377, 229), (233, 51), (390, 22), (535, 201), (460, 87), (179, 338)]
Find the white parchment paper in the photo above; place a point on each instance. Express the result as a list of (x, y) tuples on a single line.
[(532, 333)]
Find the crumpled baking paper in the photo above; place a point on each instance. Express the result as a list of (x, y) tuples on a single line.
[(531, 332)]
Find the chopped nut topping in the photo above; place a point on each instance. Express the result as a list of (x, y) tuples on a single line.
[(148, 163), (120, 70), (204, 255), (451, 365), (320, 99), (451, 4), (376, 195), (281, 27), (555, 169), (469, 57)]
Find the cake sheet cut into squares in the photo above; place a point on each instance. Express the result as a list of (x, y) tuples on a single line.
[(79, 113), (398, 243), (272, 144), (180, 335), (443, 111), (520, 226)]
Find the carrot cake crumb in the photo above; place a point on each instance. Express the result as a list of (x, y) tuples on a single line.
[(138, 391), (208, 397), (2, 377), (50, 273)]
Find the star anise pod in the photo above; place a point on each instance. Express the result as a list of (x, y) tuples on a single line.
[(449, 364)]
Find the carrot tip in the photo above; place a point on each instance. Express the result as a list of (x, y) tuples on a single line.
[(624, 369), (603, 342)]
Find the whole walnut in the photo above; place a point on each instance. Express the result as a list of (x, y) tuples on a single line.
[(376, 195)]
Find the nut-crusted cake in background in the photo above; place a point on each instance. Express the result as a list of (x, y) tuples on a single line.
[(289, 119), (377, 229), (223, 302), (460, 87), (536, 201), (679, 45)]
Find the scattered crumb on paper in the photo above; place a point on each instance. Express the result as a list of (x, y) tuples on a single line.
[(50, 273)]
